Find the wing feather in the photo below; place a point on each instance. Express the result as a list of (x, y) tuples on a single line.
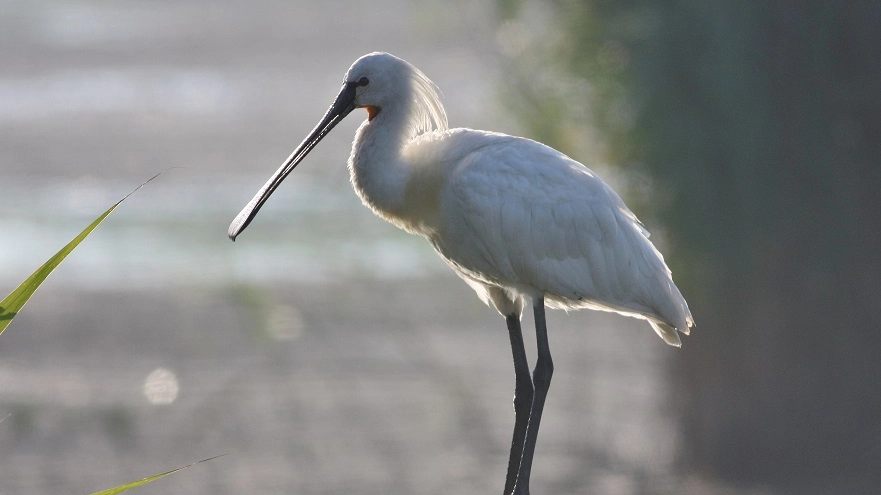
[(519, 215)]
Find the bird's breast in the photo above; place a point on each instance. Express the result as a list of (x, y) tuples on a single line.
[(400, 193)]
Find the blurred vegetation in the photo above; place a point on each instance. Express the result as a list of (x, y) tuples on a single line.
[(759, 125)]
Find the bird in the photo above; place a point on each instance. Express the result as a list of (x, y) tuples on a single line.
[(518, 221)]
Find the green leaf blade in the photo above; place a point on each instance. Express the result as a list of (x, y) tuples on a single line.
[(15, 301), (120, 489)]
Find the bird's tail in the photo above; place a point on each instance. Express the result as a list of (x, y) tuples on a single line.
[(668, 333), (675, 316)]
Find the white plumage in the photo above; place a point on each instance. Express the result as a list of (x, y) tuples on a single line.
[(514, 218)]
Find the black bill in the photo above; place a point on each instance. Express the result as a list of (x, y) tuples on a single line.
[(342, 106)]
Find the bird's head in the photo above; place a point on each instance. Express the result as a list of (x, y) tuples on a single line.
[(382, 81), (379, 80), (382, 84)]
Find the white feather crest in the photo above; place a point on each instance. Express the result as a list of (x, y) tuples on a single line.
[(427, 111)]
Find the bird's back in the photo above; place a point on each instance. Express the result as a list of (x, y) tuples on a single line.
[(516, 214)]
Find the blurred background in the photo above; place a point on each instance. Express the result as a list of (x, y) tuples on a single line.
[(327, 352)]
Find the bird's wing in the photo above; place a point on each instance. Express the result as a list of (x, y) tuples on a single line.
[(518, 214)]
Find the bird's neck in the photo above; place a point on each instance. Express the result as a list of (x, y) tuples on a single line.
[(379, 172)]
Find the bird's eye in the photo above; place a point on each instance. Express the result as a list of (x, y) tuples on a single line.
[(363, 81)]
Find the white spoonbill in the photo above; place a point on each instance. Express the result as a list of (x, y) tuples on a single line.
[(512, 217)]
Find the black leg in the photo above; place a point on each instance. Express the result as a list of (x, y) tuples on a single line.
[(523, 393), (541, 378)]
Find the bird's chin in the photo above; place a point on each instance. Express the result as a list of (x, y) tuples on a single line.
[(372, 112)]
